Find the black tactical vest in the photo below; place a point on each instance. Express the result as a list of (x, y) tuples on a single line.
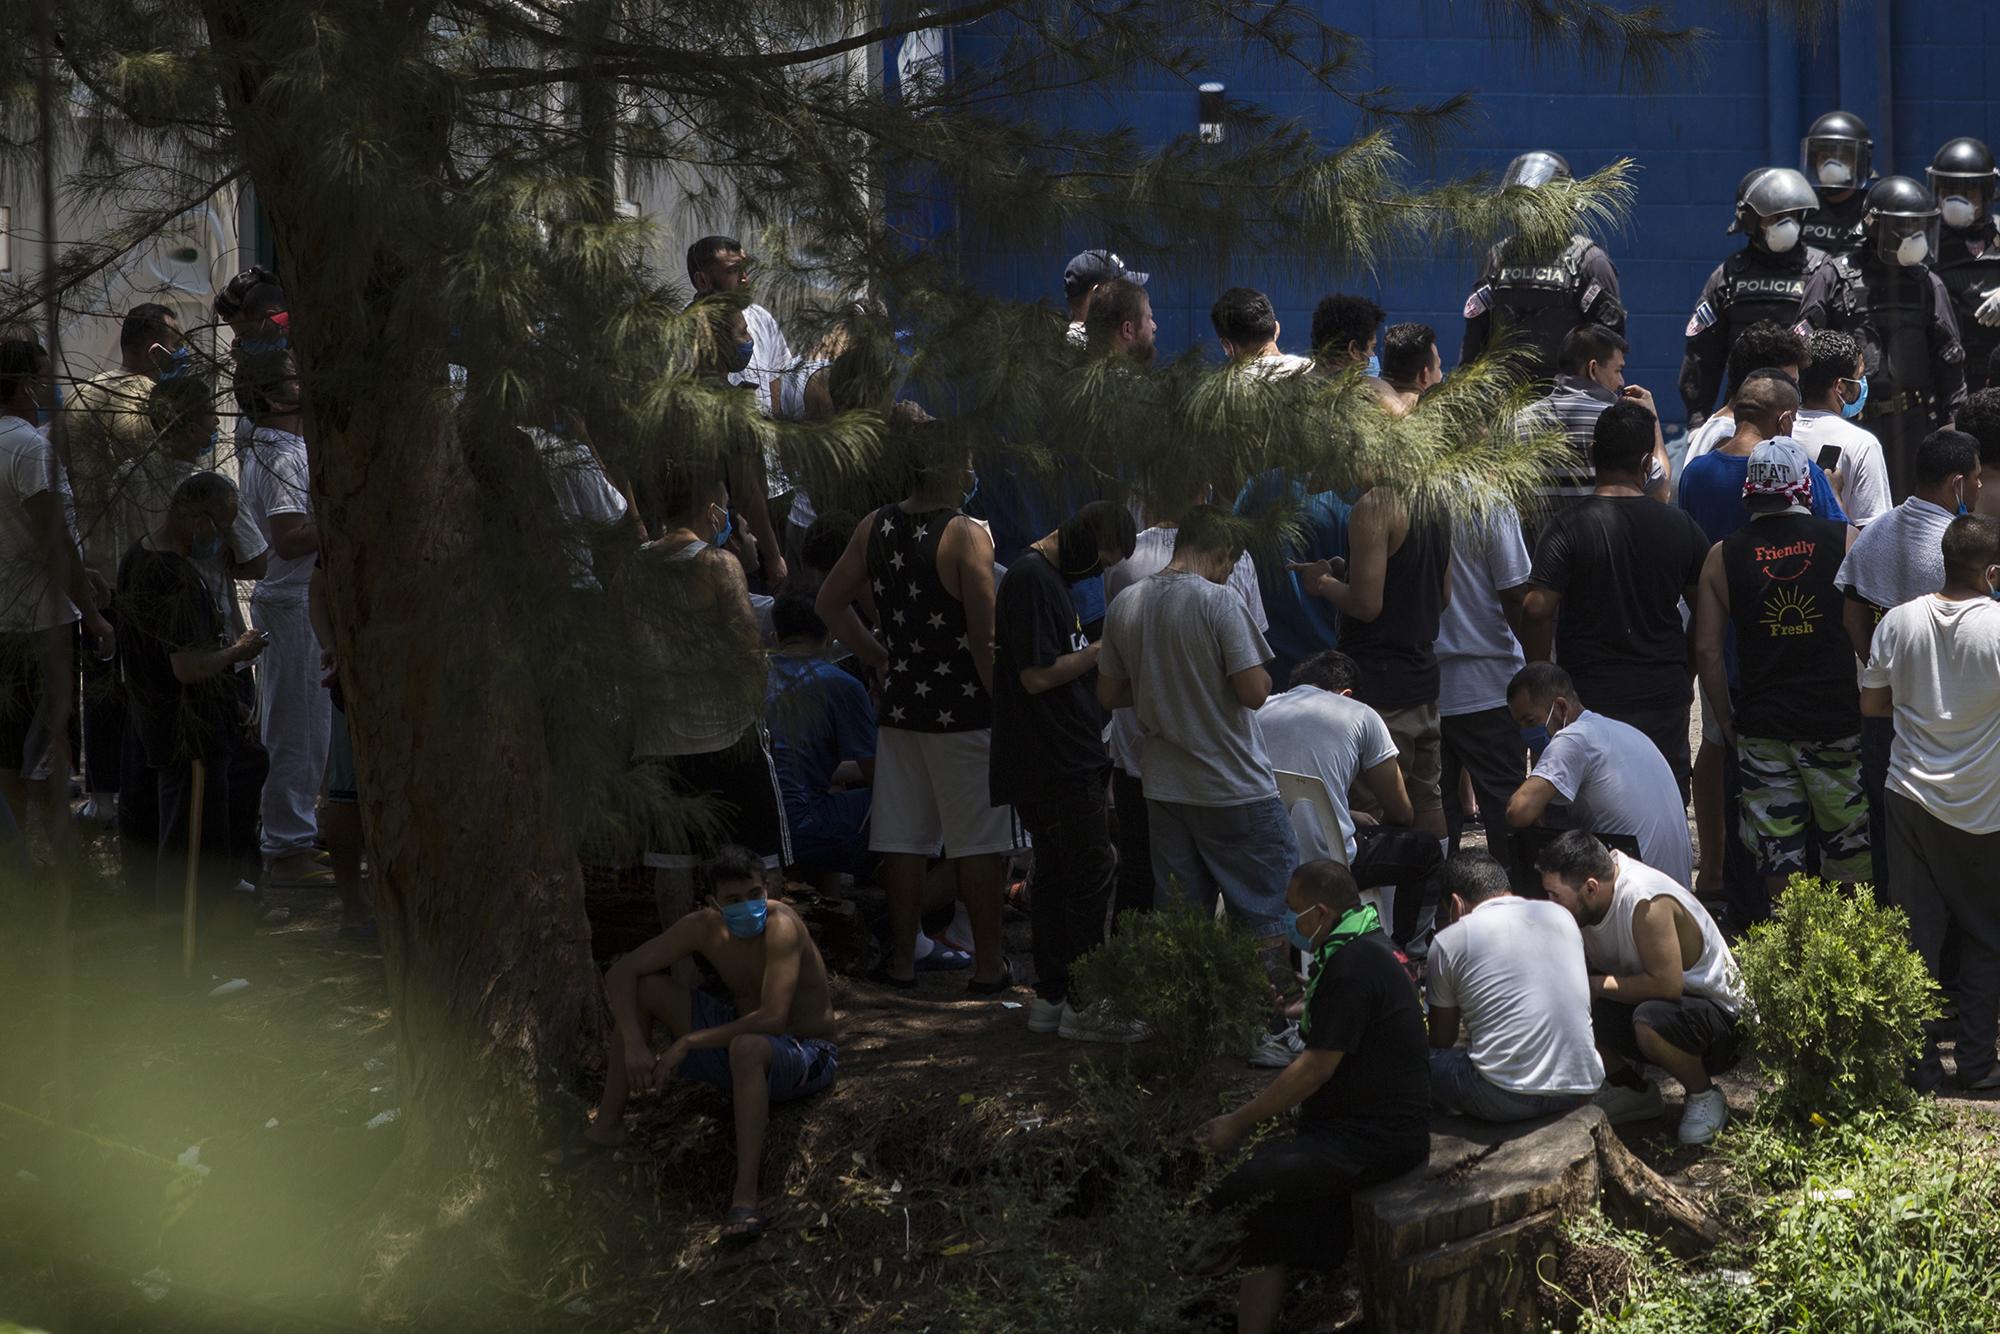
[(1538, 302), (1888, 307), (1756, 285), (1836, 228), (1970, 279)]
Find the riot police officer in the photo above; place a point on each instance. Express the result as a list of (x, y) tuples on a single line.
[(1535, 299), (1765, 280), (1963, 178), (1888, 297), (1836, 156)]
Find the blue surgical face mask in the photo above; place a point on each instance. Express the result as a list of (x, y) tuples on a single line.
[(208, 548), (214, 440), (745, 352), (722, 534), (1374, 365), (965, 497), (1853, 409), (178, 362), (1300, 940), (745, 920), (43, 416)]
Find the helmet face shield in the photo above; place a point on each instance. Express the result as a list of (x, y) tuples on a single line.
[(1963, 200), (1904, 240), (1533, 170), (1834, 164)]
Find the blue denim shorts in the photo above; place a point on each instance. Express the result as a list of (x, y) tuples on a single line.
[(800, 1067), (1242, 854)]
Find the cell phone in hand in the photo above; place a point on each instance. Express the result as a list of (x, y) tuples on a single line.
[(1829, 458)]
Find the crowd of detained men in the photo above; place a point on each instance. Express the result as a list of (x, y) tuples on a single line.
[(1146, 712)]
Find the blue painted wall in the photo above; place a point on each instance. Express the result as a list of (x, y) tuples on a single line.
[(1919, 71)]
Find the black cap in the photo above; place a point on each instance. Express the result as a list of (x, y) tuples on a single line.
[(1092, 267)]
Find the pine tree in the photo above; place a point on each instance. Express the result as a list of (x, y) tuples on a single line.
[(441, 180)]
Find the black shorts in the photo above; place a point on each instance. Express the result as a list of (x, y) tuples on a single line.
[(1691, 1024), (741, 785)]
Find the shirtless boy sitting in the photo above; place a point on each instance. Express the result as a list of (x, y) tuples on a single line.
[(774, 1043)]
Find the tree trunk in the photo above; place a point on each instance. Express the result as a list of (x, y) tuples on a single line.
[(1474, 1241), (476, 881)]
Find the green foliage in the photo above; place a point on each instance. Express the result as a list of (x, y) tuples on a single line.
[(1876, 1234), (1197, 981), (1839, 1002)]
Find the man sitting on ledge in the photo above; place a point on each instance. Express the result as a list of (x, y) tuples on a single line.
[(773, 1043), (1664, 986), (1360, 1088), (1513, 969)]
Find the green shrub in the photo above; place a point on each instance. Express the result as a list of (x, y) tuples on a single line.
[(1197, 981), (1895, 1233), (1839, 1002)]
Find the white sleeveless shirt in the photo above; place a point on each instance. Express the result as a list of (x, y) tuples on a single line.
[(1609, 947)]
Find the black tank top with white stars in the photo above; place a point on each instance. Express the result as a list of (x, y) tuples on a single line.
[(931, 684)]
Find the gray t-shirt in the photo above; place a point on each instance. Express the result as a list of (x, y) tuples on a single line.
[(1178, 639), (1898, 557)]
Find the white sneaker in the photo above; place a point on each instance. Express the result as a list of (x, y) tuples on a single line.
[(1275, 1051), (1706, 1114), (1096, 1023), (1045, 1016), (1624, 1105)]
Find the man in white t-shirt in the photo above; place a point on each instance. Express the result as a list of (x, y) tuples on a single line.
[(1082, 276), (43, 591), (1512, 970), (1832, 389), (1610, 774), (1318, 728), (1898, 557), (295, 711), (1477, 655), (1664, 986), (1935, 664)]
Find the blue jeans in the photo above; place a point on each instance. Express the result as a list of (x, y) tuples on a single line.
[(1245, 854), (1457, 1085)]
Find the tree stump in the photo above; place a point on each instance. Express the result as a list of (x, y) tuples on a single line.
[(1460, 1246)]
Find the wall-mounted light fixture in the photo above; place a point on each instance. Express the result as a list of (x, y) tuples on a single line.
[(1211, 113)]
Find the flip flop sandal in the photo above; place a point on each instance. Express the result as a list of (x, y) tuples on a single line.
[(880, 977), (743, 1224), (944, 959)]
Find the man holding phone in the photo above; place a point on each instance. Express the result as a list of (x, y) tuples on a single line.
[(1834, 388)]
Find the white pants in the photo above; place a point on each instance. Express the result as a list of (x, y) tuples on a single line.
[(296, 720)]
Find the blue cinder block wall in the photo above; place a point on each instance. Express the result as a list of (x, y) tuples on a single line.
[(1918, 71)]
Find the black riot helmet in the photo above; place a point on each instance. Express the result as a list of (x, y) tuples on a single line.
[(1536, 169), (1962, 176), (1902, 221), (1771, 203), (1837, 151)]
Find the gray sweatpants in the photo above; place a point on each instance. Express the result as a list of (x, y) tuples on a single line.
[(1943, 878)]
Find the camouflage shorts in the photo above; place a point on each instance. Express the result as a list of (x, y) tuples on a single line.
[(1799, 790)]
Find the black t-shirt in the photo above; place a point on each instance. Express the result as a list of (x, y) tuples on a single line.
[(1058, 734), (1394, 652), (1621, 564), (165, 607), (1365, 1007)]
